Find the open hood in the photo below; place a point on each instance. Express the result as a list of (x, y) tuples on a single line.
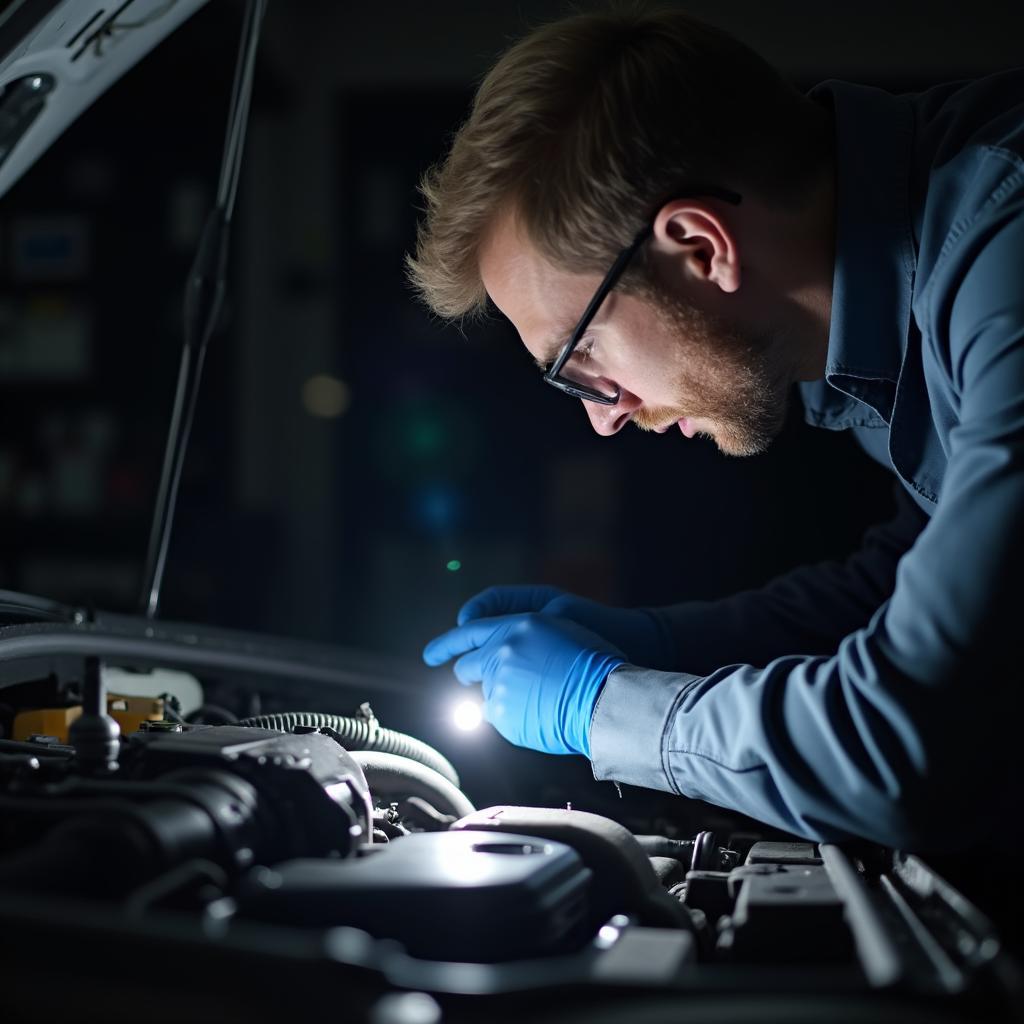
[(58, 56)]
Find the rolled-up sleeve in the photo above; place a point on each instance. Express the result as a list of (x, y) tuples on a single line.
[(901, 734)]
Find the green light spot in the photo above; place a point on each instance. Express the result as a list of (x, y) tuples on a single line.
[(426, 437), (454, 565)]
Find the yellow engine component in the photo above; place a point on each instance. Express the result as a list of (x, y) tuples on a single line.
[(45, 722), (128, 712), (131, 712)]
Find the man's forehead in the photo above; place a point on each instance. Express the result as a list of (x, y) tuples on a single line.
[(508, 259), (542, 302)]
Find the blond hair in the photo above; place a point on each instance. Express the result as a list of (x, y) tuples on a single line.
[(588, 124)]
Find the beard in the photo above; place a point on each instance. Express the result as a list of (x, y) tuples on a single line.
[(733, 379)]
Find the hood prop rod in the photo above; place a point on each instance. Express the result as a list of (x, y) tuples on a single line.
[(204, 301)]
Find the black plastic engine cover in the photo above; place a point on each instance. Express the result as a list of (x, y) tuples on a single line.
[(626, 882), (443, 895)]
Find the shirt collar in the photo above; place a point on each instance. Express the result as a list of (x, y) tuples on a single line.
[(875, 256)]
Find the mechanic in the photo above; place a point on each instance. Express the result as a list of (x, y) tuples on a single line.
[(679, 238)]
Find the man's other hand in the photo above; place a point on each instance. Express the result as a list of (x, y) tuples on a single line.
[(541, 676), (638, 632)]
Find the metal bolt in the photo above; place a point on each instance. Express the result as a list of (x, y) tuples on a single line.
[(161, 726)]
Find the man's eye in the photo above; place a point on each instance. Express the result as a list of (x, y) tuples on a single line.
[(584, 350)]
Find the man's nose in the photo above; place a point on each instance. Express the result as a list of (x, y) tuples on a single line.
[(610, 419)]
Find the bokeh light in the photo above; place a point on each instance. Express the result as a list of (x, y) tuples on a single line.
[(325, 397)]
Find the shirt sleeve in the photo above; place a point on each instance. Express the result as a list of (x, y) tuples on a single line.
[(904, 734), (805, 611)]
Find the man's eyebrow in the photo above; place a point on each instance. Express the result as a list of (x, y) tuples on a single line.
[(554, 343)]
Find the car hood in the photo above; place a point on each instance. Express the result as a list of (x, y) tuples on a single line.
[(58, 56)]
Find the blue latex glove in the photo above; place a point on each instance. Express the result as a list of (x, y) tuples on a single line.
[(540, 675), (640, 633)]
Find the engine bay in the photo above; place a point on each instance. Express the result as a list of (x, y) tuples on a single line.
[(178, 854)]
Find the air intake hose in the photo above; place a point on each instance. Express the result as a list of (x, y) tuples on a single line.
[(359, 734)]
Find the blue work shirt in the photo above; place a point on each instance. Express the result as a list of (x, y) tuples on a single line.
[(878, 697)]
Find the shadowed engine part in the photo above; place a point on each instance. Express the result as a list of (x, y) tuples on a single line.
[(629, 883), (227, 795)]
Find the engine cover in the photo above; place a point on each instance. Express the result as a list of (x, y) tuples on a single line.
[(434, 891)]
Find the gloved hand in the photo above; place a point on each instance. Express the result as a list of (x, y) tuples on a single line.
[(540, 675), (640, 633)]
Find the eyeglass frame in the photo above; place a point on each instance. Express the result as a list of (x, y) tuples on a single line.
[(573, 388)]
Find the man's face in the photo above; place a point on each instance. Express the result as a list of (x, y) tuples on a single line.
[(674, 366)]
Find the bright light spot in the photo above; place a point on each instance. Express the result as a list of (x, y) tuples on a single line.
[(467, 865), (468, 715), (325, 397), (407, 1007), (607, 936), (454, 565)]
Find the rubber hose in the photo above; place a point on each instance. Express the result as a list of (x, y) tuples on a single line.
[(392, 775), (360, 734), (661, 846)]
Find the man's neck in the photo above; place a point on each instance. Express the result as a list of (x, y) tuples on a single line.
[(797, 267)]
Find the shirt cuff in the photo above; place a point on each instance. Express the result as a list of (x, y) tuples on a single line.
[(633, 712)]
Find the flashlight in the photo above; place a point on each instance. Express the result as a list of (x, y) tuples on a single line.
[(467, 715)]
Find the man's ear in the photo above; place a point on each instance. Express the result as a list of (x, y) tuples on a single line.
[(699, 241)]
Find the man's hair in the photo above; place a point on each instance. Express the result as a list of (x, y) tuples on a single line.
[(587, 125)]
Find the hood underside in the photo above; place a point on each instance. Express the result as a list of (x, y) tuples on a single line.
[(58, 56)]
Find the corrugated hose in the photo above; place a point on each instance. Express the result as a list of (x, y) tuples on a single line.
[(359, 734)]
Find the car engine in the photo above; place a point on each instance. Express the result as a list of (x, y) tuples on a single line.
[(235, 871)]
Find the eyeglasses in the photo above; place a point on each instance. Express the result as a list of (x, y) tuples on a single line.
[(570, 380)]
